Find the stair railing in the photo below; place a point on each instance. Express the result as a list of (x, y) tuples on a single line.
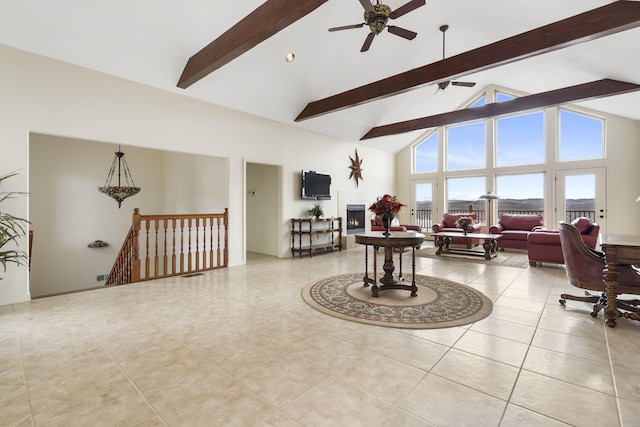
[(159, 246)]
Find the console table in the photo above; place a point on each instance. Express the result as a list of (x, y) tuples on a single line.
[(310, 235), (396, 240)]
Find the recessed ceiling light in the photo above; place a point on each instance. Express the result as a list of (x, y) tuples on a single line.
[(290, 57)]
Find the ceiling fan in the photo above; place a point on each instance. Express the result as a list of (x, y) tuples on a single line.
[(377, 15), (443, 85)]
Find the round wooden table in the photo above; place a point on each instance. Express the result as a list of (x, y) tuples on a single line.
[(396, 240)]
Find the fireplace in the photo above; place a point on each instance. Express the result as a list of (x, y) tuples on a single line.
[(355, 219)]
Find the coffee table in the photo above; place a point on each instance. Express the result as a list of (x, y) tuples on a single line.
[(490, 245)]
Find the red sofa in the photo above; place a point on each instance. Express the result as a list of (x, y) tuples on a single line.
[(448, 224), (544, 245), (515, 230), (376, 225)]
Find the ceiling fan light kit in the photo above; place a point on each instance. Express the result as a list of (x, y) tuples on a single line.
[(376, 17), (377, 20)]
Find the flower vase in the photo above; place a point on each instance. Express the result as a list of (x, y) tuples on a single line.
[(464, 231), (386, 223)]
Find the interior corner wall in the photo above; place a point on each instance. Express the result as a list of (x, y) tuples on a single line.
[(67, 212), (49, 97)]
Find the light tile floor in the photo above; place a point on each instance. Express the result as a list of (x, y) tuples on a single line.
[(239, 347)]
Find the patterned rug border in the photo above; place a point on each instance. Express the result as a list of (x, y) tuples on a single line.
[(453, 304)]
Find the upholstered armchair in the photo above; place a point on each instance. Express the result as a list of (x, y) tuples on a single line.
[(544, 245), (584, 267), (515, 229), (376, 225), (448, 224)]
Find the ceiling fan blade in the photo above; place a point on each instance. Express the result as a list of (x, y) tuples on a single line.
[(367, 42), (409, 35), (406, 8), (346, 27), (465, 84), (367, 6)]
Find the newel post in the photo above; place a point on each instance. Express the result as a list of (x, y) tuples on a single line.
[(135, 264), (226, 237)]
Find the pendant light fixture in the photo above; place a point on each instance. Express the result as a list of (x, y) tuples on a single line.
[(119, 192)]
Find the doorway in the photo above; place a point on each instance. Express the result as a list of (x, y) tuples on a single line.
[(581, 192), (424, 203), (263, 209)]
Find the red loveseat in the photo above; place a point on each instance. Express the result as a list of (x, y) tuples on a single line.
[(376, 225), (448, 224), (544, 245), (515, 230)]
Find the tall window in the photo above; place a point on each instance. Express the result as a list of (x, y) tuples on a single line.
[(479, 102), (581, 137), (520, 193), (426, 155), (466, 147), (509, 153), (465, 192), (520, 140), (500, 97)]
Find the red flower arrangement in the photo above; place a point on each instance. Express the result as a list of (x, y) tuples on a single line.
[(386, 205), (465, 222)]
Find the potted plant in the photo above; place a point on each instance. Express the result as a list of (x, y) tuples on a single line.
[(316, 211), (11, 229)]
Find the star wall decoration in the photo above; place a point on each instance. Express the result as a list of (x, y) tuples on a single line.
[(356, 168)]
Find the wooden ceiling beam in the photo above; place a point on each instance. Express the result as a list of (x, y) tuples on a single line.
[(609, 19), (253, 29), (581, 92)]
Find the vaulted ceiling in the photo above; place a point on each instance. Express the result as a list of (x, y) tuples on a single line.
[(151, 42)]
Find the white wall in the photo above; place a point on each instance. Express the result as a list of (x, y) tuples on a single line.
[(194, 183), (49, 97)]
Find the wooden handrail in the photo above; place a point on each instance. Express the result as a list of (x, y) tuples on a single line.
[(171, 245)]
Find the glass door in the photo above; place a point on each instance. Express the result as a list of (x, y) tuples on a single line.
[(581, 192), (424, 203)]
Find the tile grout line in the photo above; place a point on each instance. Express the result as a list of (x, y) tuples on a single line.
[(613, 374), (133, 384)]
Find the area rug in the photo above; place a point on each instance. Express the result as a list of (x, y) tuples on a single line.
[(505, 258), (440, 303)]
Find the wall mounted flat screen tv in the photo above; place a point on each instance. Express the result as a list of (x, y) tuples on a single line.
[(316, 185)]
